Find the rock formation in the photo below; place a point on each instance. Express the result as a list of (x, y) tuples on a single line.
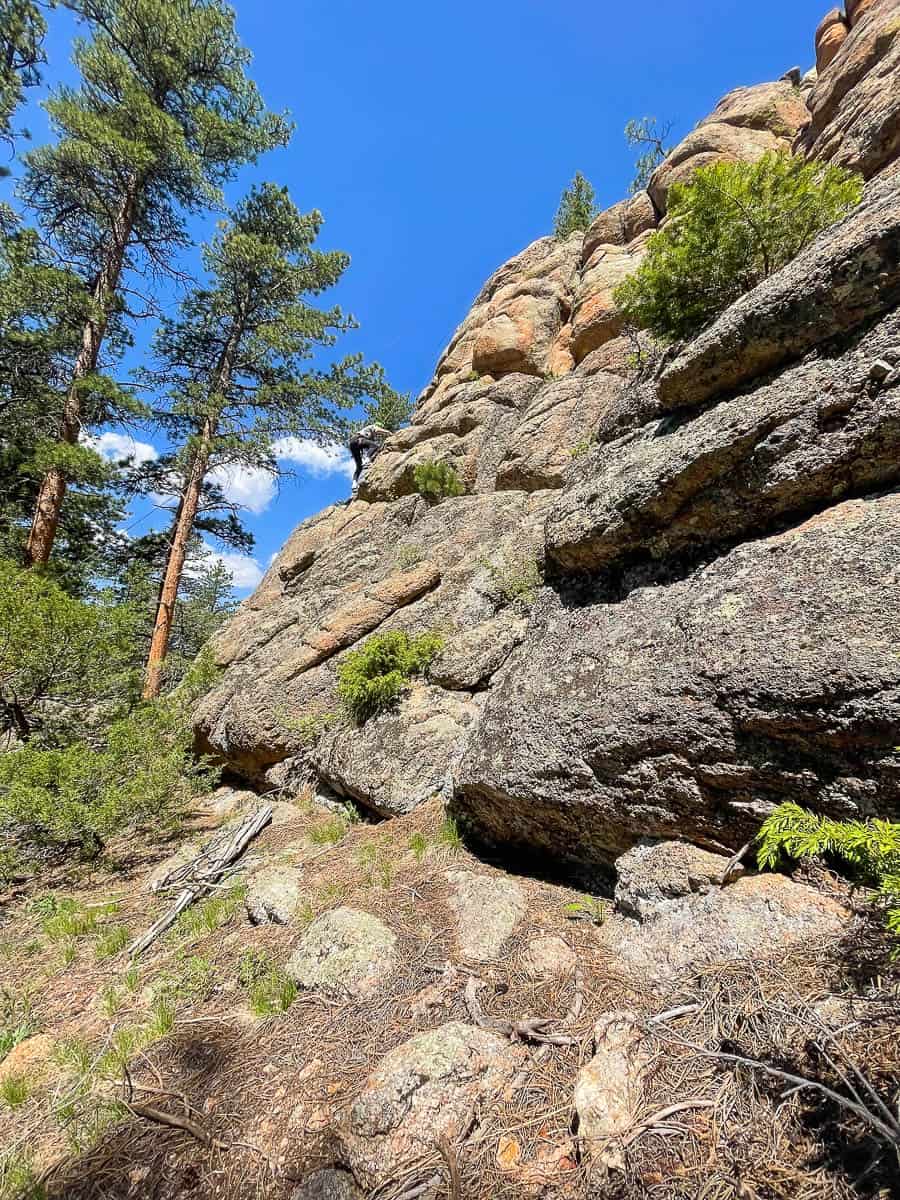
[(719, 541)]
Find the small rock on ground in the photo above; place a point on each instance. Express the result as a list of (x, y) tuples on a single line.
[(548, 958), (651, 873), (344, 952), (273, 895), (488, 908)]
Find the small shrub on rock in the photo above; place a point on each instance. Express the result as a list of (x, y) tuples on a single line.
[(372, 677), (729, 228), (437, 481)]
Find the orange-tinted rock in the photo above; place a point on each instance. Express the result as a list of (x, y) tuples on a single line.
[(855, 105), (621, 224), (830, 37), (745, 125), (857, 9), (596, 318)]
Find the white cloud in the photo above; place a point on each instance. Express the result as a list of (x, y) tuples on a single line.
[(245, 570), (317, 460), (117, 446), (250, 487)]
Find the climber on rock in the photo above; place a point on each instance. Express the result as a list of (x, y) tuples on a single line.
[(366, 442)]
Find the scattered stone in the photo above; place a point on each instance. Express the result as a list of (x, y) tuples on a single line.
[(548, 957), (273, 895), (488, 908), (880, 370), (609, 1089), (424, 1089), (344, 952), (653, 873)]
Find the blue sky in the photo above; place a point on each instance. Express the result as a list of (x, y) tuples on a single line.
[(436, 139)]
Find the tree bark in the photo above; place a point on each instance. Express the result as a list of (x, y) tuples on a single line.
[(182, 528), (185, 516), (52, 491)]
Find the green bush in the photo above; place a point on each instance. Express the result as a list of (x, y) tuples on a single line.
[(60, 657), (730, 227), (141, 770), (437, 480), (577, 209), (372, 677), (871, 847)]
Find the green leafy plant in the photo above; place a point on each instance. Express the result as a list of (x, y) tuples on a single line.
[(581, 448), (871, 848), (733, 225), (309, 726), (577, 208), (437, 481), (372, 677), (588, 908)]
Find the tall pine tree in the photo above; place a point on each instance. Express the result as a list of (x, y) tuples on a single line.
[(163, 117), (22, 29), (235, 366)]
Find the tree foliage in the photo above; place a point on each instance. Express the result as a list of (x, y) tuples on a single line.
[(164, 116), (372, 677), (732, 226), (871, 848), (647, 133), (22, 29), (577, 208), (60, 657)]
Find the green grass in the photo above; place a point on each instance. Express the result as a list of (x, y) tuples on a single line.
[(418, 844), (64, 919), (14, 1091), (330, 832), (18, 1180), (111, 1001), (162, 1018), (449, 835), (270, 990), (73, 1055), (588, 908), (112, 941), (210, 914)]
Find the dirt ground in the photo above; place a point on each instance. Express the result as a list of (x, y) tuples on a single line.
[(171, 1078)]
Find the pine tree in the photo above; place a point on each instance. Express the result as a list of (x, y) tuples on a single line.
[(576, 208), (164, 116), (234, 362), (42, 310), (22, 29)]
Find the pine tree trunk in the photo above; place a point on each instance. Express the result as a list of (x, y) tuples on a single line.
[(52, 491), (182, 529), (185, 517)]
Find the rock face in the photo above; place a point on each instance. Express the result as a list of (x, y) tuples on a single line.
[(423, 1090), (745, 125), (668, 596)]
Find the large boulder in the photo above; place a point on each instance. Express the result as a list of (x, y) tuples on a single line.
[(746, 124), (687, 707), (596, 318), (833, 31), (359, 569), (855, 103), (424, 1090), (759, 918), (621, 224)]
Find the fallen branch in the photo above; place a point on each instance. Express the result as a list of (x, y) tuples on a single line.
[(202, 874), (530, 1029), (734, 861), (662, 1115), (174, 1121)]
